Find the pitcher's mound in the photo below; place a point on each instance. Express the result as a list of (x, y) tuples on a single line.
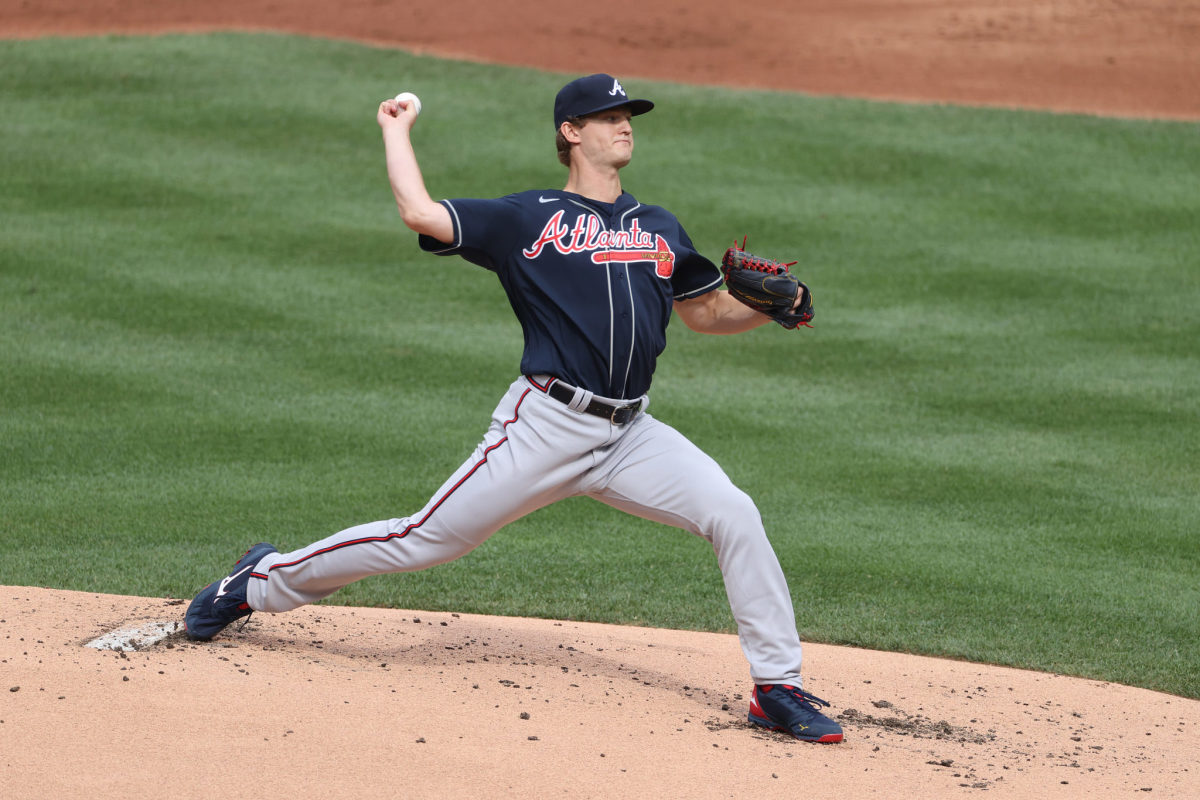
[(363, 703)]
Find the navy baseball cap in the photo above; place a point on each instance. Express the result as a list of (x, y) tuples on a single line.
[(593, 93)]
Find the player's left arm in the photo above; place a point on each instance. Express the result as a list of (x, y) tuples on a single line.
[(719, 312), (713, 309)]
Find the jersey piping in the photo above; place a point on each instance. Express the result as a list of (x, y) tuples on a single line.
[(702, 290), (632, 314), (457, 224), (612, 312)]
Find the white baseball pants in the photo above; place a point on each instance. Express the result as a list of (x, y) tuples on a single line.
[(537, 451)]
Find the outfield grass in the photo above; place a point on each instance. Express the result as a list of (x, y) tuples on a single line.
[(215, 330)]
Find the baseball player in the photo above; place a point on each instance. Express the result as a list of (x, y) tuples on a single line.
[(593, 276)]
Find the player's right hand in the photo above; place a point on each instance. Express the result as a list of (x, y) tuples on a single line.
[(391, 115)]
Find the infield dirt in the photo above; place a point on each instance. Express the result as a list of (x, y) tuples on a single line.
[(360, 702), (1136, 58), (364, 703)]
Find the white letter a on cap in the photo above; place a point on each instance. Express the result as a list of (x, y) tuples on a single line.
[(617, 89)]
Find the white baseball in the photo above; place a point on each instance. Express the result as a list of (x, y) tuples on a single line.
[(409, 97)]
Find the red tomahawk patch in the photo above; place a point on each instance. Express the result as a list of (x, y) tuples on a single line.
[(662, 256)]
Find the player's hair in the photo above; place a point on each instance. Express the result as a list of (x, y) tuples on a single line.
[(561, 143)]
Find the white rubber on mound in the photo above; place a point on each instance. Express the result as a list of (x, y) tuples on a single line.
[(145, 635)]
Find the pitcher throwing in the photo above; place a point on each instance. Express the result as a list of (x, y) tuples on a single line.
[(593, 276)]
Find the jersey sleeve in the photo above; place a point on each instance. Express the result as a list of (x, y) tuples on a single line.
[(484, 231), (694, 274)]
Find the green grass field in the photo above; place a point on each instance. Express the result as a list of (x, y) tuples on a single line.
[(215, 330)]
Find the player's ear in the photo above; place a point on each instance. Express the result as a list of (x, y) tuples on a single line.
[(570, 132)]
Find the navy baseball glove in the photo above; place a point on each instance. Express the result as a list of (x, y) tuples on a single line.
[(766, 286)]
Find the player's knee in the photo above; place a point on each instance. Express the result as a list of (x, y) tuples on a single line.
[(731, 510)]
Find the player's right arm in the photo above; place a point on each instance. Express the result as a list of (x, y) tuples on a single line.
[(417, 208)]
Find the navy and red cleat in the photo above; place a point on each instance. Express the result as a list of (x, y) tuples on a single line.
[(223, 601), (780, 707)]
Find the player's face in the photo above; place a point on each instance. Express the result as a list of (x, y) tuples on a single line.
[(607, 137)]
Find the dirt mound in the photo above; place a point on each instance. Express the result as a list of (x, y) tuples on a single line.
[(363, 703)]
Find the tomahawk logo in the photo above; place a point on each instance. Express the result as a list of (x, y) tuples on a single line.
[(617, 89), (661, 255)]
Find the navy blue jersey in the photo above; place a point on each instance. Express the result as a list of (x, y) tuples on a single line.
[(591, 283)]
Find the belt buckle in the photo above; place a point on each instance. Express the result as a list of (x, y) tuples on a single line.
[(621, 415)]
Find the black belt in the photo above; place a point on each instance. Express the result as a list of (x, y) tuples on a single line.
[(617, 415)]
